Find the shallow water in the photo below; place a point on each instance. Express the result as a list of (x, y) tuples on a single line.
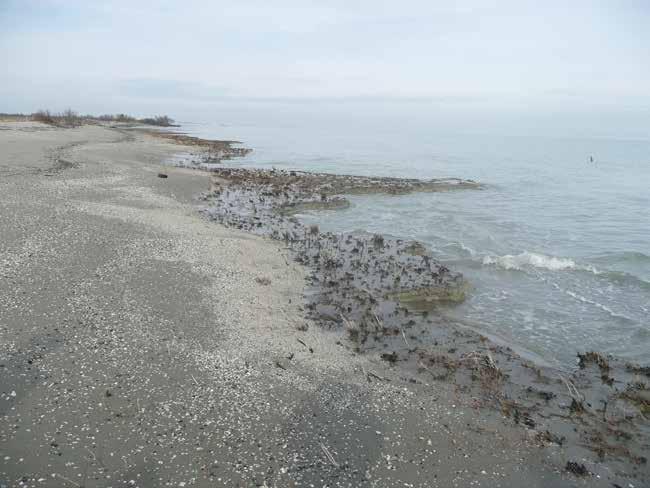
[(557, 247)]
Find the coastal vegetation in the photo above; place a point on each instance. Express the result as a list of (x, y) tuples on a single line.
[(70, 118)]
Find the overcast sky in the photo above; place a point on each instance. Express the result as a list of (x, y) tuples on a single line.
[(95, 55)]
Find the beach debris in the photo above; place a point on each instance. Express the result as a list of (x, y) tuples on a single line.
[(404, 337), (329, 455), (389, 357), (599, 360), (372, 374), (311, 349), (577, 398), (351, 327), (593, 357), (640, 370), (281, 363), (546, 437), (638, 394), (577, 469), (162, 175), (263, 280)]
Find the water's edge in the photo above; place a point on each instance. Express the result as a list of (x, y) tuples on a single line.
[(348, 274)]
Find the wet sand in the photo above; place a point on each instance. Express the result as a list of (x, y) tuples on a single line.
[(144, 344)]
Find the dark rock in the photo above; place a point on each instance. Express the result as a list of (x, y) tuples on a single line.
[(576, 468), (390, 357)]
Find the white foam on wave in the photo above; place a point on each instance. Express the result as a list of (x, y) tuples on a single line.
[(467, 249), (460, 246), (530, 262), (534, 260)]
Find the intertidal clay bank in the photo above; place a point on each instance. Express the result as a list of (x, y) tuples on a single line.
[(383, 295), (206, 151)]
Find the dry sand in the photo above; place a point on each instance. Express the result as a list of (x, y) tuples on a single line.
[(141, 346)]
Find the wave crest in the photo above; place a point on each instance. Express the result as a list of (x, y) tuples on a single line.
[(528, 260), (531, 259)]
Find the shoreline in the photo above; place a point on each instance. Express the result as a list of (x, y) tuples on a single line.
[(229, 356), (351, 291), (595, 374)]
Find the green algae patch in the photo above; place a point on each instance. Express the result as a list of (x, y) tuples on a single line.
[(426, 298), (329, 204), (639, 396), (417, 249)]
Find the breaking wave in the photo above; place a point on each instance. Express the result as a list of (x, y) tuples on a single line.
[(530, 260), (534, 260)]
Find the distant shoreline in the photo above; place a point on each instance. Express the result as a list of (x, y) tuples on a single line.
[(70, 118)]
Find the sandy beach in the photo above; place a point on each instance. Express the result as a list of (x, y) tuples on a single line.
[(143, 344)]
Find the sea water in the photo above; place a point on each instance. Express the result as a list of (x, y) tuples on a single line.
[(556, 246)]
